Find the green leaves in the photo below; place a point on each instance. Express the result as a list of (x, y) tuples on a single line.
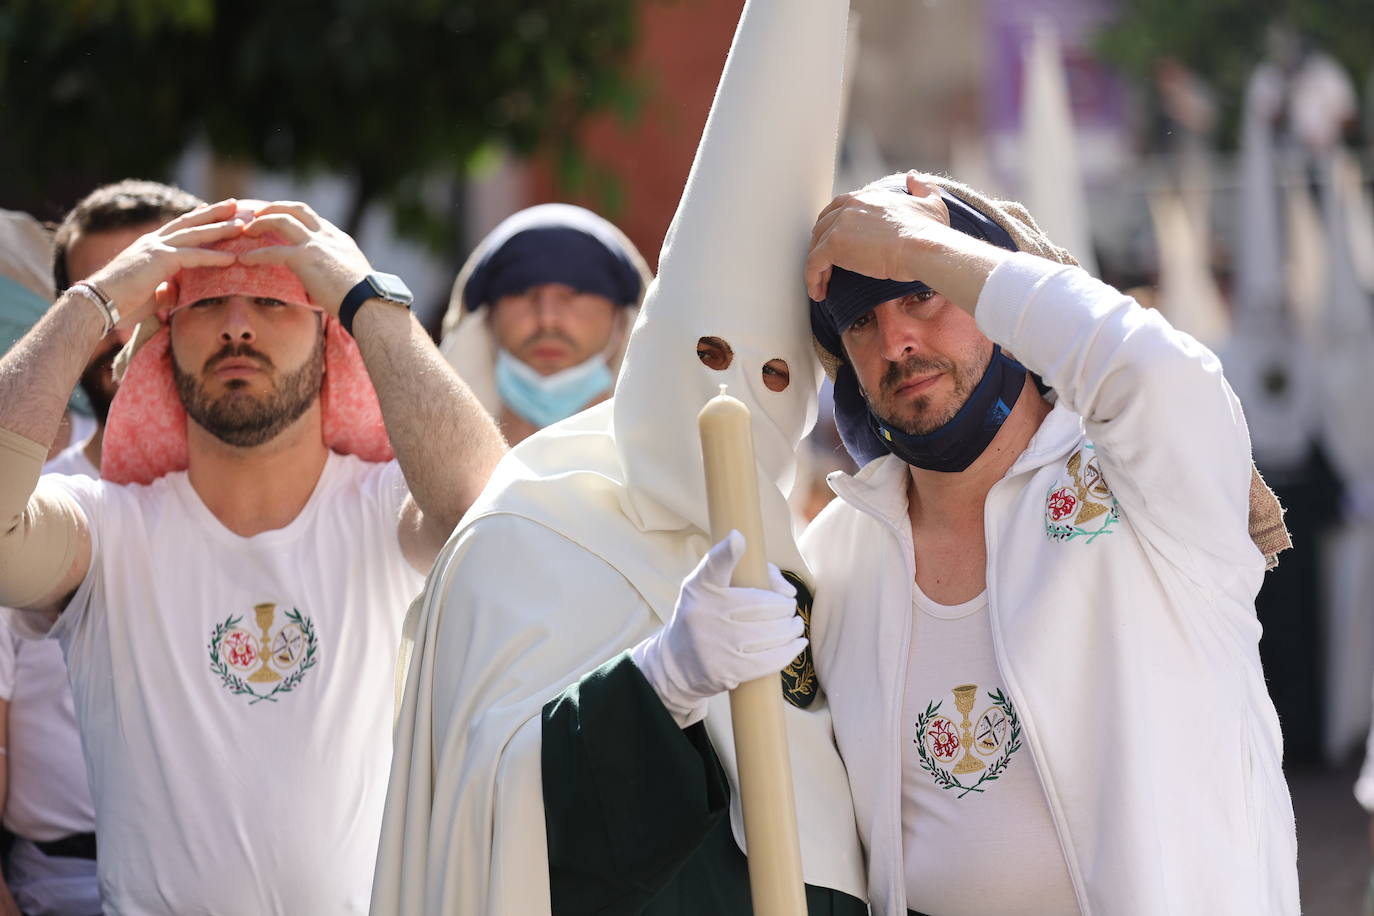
[(394, 95)]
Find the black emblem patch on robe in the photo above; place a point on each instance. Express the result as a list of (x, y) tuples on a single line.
[(799, 683)]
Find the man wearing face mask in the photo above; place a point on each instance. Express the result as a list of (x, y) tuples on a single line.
[(1035, 619), (540, 315)]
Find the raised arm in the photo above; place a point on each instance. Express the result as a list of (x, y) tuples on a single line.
[(45, 547), (446, 443), (902, 237), (1170, 432)]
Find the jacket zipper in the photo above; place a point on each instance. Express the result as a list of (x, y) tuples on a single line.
[(1070, 860), (894, 761)]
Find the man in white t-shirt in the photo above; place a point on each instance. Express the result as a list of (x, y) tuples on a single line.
[(229, 596), (50, 866)]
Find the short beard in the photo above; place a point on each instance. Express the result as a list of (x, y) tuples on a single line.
[(918, 422), (98, 382), (240, 419)]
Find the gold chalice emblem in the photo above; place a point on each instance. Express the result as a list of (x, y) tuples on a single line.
[(963, 701), (265, 674)]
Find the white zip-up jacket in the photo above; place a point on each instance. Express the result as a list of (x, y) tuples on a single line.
[(1121, 581)]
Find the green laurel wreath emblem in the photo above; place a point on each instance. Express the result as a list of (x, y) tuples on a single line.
[(943, 777), (237, 685)]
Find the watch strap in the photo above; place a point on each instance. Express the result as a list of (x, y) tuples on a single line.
[(386, 287), (353, 300)]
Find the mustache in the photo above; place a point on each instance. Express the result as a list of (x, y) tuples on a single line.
[(898, 374), (237, 351), (552, 334)]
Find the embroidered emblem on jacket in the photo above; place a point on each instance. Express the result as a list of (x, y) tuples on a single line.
[(799, 681), (981, 745), (1081, 505), (261, 667)]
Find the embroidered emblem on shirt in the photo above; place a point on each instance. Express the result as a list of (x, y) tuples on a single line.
[(981, 745), (263, 666), (799, 681), (1081, 505)]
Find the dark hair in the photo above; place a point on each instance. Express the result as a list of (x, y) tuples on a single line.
[(130, 202)]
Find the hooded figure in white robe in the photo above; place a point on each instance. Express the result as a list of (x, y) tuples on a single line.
[(535, 770)]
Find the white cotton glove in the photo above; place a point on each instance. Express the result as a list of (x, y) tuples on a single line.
[(720, 636)]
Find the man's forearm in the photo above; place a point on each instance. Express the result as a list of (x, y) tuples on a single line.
[(445, 441), (38, 373), (954, 264)]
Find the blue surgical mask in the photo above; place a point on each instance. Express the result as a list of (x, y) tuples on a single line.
[(545, 399)]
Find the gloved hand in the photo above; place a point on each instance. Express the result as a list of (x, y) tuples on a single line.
[(720, 636)]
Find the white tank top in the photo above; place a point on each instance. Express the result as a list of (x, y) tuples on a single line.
[(977, 836)]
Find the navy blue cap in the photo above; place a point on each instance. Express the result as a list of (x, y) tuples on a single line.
[(850, 296), (577, 250)]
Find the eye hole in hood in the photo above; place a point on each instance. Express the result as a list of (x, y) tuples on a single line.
[(715, 353)]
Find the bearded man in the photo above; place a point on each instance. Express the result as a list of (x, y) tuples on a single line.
[(1035, 619), (282, 462)]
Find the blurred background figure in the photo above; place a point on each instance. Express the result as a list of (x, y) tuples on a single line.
[(50, 864), (540, 315), (100, 226), (26, 291)]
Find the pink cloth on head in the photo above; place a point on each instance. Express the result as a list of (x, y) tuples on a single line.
[(269, 281), (145, 435)]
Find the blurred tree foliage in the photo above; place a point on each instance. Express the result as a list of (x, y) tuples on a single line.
[(1223, 40), (399, 96)]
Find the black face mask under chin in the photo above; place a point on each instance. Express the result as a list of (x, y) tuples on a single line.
[(957, 444)]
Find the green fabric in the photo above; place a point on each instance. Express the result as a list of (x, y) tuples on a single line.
[(635, 809)]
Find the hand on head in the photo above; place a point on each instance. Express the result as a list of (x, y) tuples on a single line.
[(325, 258), (871, 232), (146, 268), (141, 279)]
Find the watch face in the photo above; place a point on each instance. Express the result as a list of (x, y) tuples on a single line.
[(391, 288)]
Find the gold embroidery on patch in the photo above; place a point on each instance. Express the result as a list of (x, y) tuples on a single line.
[(799, 681), (1085, 497)]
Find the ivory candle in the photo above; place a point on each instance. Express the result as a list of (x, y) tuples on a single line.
[(765, 770)]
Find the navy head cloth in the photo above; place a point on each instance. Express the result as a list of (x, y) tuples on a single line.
[(571, 247), (851, 295)]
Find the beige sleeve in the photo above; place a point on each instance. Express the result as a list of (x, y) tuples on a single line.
[(41, 529)]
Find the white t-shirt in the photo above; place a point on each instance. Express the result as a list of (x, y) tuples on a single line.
[(977, 837), (48, 797), (72, 460), (235, 694)]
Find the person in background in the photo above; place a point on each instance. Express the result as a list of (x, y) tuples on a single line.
[(540, 315), (26, 292), (51, 864)]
